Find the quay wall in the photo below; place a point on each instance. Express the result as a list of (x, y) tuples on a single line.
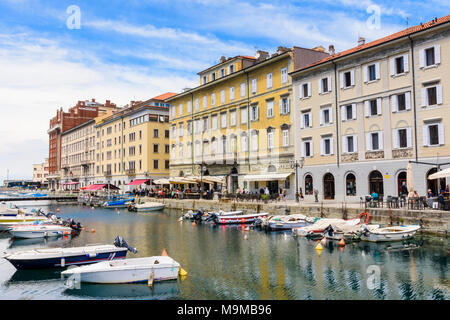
[(432, 221)]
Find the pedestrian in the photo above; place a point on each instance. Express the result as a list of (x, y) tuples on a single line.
[(316, 195), (267, 191), (404, 189)]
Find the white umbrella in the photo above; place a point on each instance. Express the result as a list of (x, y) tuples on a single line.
[(410, 178), (441, 174)]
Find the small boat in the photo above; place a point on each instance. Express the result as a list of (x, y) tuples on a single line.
[(396, 233), (23, 218), (237, 219), (316, 229), (39, 231), (146, 207), (287, 222), (61, 257), (118, 203), (135, 270), (348, 232)]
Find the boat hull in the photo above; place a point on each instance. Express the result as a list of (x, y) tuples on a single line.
[(275, 226), (156, 208), (398, 236), (33, 203), (57, 262), (239, 219)]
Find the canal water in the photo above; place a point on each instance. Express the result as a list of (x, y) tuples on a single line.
[(231, 263)]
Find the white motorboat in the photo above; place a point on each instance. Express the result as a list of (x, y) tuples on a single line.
[(39, 231), (22, 218), (317, 228), (157, 268), (6, 226), (287, 222), (346, 231), (147, 206), (396, 233)]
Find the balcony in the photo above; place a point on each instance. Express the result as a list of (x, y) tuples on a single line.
[(130, 172), (107, 174)]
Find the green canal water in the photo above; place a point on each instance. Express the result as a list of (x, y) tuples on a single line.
[(230, 263)]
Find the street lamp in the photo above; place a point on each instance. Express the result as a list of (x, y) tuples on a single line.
[(295, 164), (202, 169)]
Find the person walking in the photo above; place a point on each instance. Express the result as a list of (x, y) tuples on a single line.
[(316, 195)]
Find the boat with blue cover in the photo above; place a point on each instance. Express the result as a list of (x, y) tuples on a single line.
[(117, 202), (62, 257)]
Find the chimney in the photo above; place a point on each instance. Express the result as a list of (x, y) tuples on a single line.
[(361, 41), (93, 100), (261, 55), (331, 50), (108, 102), (281, 50), (222, 59)]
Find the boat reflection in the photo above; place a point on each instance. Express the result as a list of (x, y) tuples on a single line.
[(15, 243), (33, 276), (159, 291)]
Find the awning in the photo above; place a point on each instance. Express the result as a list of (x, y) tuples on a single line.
[(441, 174), (161, 181), (214, 179), (96, 187), (138, 182), (180, 180), (70, 183), (266, 177)]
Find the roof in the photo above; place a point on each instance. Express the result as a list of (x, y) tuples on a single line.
[(228, 60), (394, 36), (165, 96)]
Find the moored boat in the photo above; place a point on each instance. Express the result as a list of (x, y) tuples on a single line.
[(61, 257), (135, 270), (119, 203), (395, 233), (237, 219), (39, 231), (146, 207), (287, 222)]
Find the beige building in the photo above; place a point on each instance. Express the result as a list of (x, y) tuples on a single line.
[(133, 144), (363, 114), (40, 173)]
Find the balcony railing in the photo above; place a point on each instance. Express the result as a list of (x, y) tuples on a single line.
[(130, 172), (107, 174)]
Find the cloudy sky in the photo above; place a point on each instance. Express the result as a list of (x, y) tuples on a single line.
[(137, 49)]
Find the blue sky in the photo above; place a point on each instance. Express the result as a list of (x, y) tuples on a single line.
[(134, 50)]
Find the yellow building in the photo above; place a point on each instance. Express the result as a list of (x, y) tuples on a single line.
[(237, 124), (365, 113), (133, 144)]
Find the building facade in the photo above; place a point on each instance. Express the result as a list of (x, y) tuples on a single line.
[(133, 144), (63, 121), (40, 173), (236, 126), (364, 114)]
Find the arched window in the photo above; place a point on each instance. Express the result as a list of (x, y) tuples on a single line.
[(308, 185), (272, 168), (350, 185), (328, 186), (401, 179), (433, 185), (376, 182)]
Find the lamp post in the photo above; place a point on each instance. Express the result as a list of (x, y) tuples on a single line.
[(295, 164), (202, 169)]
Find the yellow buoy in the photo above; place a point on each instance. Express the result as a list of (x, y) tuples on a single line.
[(182, 272), (319, 246)]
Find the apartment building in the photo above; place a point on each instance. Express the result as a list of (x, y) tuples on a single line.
[(64, 121), (236, 126), (40, 173), (363, 114), (133, 144)]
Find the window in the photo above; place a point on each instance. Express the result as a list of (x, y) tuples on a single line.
[(243, 115), (189, 107), (167, 148), (254, 113), (222, 97), (232, 117), (166, 164), (433, 134), (224, 145), (131, 151), (155, 148), (350, 184), (213, 99), (348, 112), (244, 143), (327, 146), (222, 73), (373, 107), (242, 89), (231, 93), (374, 141), (213, 76), (254, 86), (429, 56), (307, 148), (269, 81), (325, 85), (305, 90), (223, 118), (254, 141), (180, 109), (214, 122), (166, 134), (284, 75), (197, 105), (347, 79), (270, 139), (155, 164), (309, 185), (180, 129), (285, 137), (205, 124), (173, 152), (197, 128), (284, 105), (432, 96), (399, 65), (306, 120), (205, 102), (325, 116), (269, 109), (402, 138), (231, 69), (349, 144), (372, 72), (205, 79)]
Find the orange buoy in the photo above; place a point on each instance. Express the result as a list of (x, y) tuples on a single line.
[(57, 210), (164, 253), (342, 243), (82, 228), (323, 241), (92, 230), (193, 223)]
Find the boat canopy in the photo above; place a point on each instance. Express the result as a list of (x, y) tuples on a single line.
[(266, 176), (138, 182)]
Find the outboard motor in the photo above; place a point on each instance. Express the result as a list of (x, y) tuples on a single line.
[(121, 243), (364, 230), (213, 217), (198, 215), (328, 230)]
